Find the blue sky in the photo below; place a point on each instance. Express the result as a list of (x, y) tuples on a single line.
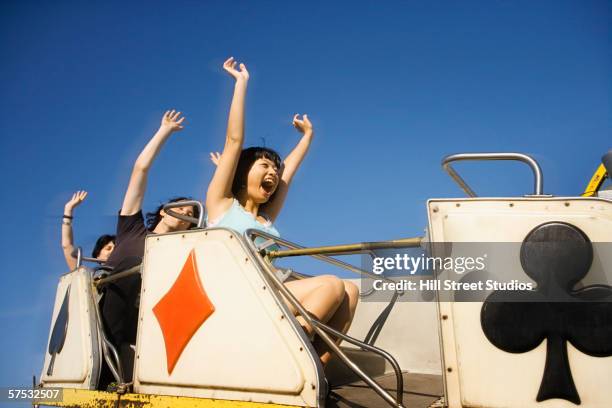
[(391, 87)]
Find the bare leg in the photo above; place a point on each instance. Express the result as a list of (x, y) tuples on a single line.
[(341, 320), (320, 295)]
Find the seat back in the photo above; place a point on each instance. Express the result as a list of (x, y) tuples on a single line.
[(73, 355), (211, 326), (479, 373)]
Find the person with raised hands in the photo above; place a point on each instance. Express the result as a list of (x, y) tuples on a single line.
[(104, 245), (248, 190), (131, 227), (120, 303)]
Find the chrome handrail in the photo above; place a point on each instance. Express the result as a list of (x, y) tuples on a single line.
[(116, 371), (78, 254), (108, 349), (399, 380), (348, 249), (79, 257), (538, 185), (199, 222), (325, 258), (118, 275), (315, 324)]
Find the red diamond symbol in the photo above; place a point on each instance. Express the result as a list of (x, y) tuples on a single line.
[(182, 310)]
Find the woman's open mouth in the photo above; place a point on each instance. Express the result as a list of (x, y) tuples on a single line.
[(268, 185)]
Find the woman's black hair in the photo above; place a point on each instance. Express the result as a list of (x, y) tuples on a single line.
[(247, 157), (101, 243), (153, 218)]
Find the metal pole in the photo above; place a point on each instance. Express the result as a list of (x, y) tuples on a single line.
[(373, 349), (117, 276), (348, 248), (538, 184), (79, 257), (250, 233), (107, 346)]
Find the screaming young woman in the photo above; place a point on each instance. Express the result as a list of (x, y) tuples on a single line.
[(248, 190)]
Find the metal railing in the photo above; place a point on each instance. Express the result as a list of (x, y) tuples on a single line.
[(321, 329), (116, 276), (347, 249), (78, 254), (317, 252), (538, 184), (109, 351), (199, 222)]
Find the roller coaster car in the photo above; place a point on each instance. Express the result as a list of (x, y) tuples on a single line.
[(215, 330)]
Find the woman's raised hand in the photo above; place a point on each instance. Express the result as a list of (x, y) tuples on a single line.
[(239, 75), (172, 121), (304, 125), (215, 157), (77, 198)]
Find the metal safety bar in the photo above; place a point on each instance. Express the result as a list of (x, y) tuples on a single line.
[(348, 249), (79, 257), (363, 247), (373, 349), (317, 326), (317, 252), (108, 349), (199, 222), (78, 254), (116, 276), (538, 184)]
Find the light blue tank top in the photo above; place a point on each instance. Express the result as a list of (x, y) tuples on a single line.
[(240, 220)]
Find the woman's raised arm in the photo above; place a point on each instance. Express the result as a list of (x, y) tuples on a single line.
[(132, 202), (67, 238), (219, 194), (290, 166)]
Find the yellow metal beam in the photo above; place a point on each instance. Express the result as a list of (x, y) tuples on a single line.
[(101, 399), (596, 181)]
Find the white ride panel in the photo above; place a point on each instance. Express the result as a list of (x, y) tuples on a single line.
[(477, 374), (247, 349), (77, 365), (409, 333)]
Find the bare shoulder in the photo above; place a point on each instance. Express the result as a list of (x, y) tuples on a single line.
[(218, 207)]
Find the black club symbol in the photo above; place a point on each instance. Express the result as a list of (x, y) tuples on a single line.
[(556, 256)]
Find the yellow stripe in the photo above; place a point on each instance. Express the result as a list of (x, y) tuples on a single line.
[(596, 181), (100, 399)]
